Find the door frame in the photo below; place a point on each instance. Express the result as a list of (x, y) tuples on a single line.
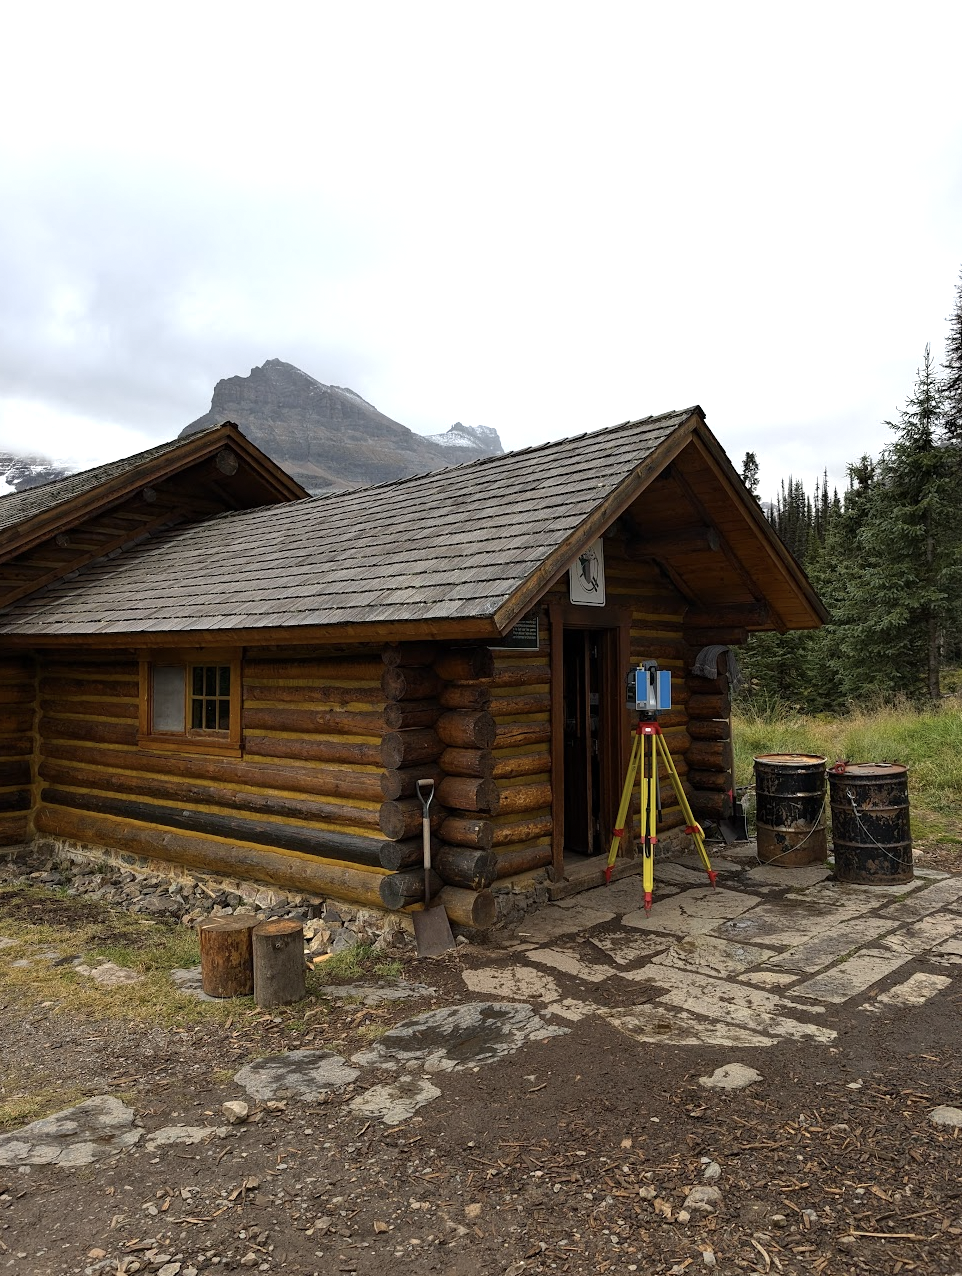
[(613, 726)]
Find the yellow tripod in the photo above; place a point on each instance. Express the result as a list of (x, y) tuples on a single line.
[(648, 747)]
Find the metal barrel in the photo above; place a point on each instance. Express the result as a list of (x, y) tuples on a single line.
[(790, 809), (870, 823)]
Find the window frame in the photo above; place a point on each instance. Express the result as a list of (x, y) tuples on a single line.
[(191, 739)]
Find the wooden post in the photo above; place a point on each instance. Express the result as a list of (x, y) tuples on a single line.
[(226, 961), (279, 966)]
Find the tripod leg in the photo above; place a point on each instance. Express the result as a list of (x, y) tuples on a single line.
[(693, 828), (649, 779), (619, 831)]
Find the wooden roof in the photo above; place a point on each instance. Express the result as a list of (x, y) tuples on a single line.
[(459, 551)]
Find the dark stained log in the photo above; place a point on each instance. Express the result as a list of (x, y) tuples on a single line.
[(461, 663), (730, 637), (92, 708), (710, 755), (711, 706), (14, 668), (706, 686), (122, 689), (346, 847), (226, 462), (710, 805), (513, 706), (336, 669), (524, 797), (403, 784), (523, 860), (403, 818), (15, 800), (410, 748), (16, 746), (16, 693), (682, 540), (471, 869), (409, 653), (507, 768), (14, 720), (400, 889), (401, 683), (14, 828), (245, 803), (341, 751), (279, 966), (467, 794), (289, 870), (710, 779), (521, 831), (477, 910), (517, 735), (16, 771), (709, 728), (476, 762), (114, 665), (461, 831), (521, 675), (402, 715), (461, 729), (309, 697), (455, 697), (407, 854), (84, 729), (671, 818), (313, 721), (740, 615), (226, 960)]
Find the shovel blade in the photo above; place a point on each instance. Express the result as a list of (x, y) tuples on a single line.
[(432, 930)]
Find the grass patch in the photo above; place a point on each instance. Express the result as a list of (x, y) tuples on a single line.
[(929, 743), (358, 961), (20, 1103)]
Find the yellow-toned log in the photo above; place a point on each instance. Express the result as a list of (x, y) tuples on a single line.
[(514, 706), (506, 768), (520, 831), (290, 870), (464, 663), (511, 735), (475, 909), (466, 794), (455, 697), (524, 797)]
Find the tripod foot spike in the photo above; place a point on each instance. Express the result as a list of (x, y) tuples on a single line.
[(647, 901), (608, 875), (712, 876)]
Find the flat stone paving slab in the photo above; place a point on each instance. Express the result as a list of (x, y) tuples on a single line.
[(803, 876), (850, 978), (914, 991), (396, 1101), (707, 955), (692, 911), (670, 1026), (298, 1074), (945, 893), (97, 1128), (554, 921), (828, 947), (522, 983)]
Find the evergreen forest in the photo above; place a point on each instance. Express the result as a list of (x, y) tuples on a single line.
[(885, 557)]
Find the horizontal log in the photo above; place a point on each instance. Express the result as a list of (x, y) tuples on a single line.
[(242, 802), (110, 666), (518, 735), (471, 869), (477, 910), (14, 720), (400, 889), (465, 793), (16, 746), (346, 752), (85, 729), (400, 683), (524, 797), (455, 697), (460, 831), (394, 856), (310, 697), (513, 706), (472, 762), (710, 706), (17, 693), (710, 805), (404, 714), (313, 721), (710, 755), (15, 668), (14, 828), (748, 615), (463, 729), (521, 675), (409, 653), (671, 818), (410, 748), (709, 728), (121, 689), (359, 786), (524, 859), (681, 540), (459, 663), (707, 686), (336, 669), (104, 708), (512, 766), (721, 780), (348, 847), (521, 831), (285, 869), (403, 784), (403, 818), (16, 771), (729, 637), (15, 800)]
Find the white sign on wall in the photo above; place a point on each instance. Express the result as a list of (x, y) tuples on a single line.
[(586, 578)]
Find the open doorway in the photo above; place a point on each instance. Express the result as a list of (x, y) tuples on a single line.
[(592, 712)]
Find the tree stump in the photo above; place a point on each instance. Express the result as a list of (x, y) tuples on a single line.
[(279, 965), (226, 962)]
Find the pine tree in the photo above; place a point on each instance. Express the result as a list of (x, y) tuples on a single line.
[(750, 473), (952, 382)]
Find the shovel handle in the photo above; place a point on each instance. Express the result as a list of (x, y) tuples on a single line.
[(426, 787)]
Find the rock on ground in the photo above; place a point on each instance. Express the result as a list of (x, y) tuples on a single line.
[(731, 1076), (397, 1101), (299, 1074), (96, 1128)]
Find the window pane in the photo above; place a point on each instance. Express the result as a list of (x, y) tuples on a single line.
[(197, 681), (223, 688), (211, 680), (168, 697), (223, 715), (196, 714), (210, 715)]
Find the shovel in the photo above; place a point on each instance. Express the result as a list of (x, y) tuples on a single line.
[(432, 930)]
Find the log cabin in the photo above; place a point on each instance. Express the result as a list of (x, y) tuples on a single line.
[(202, 666)]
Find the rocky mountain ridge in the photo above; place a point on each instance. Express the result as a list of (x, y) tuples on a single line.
[(329, 436), (17, 473)]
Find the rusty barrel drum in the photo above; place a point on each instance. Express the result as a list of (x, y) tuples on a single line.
[(870, 823), (790, 809)]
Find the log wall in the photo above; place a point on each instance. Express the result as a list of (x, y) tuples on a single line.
[(17, 694)]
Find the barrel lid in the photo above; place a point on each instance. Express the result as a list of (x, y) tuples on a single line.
[(868, 769), (790, 759)]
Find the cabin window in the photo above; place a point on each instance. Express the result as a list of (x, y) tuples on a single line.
[(191, 701)]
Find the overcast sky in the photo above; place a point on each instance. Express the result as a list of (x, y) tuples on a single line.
[(542, 217)]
